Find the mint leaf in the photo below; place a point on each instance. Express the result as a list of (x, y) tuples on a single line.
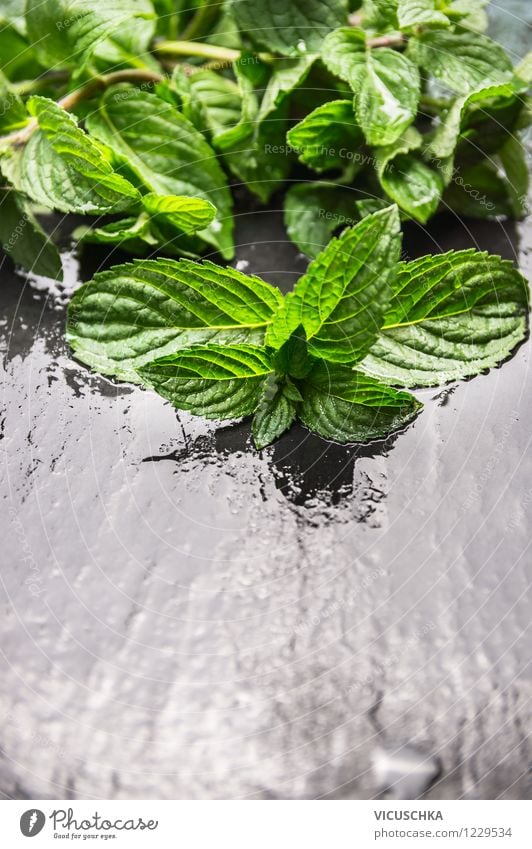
[(470, 14), (415, 13), (24, 240), (292, 359), (132, 234), (220, 101), (328, 137), (214, 381), (248, 71), (167, 155), (67, 32), (461, 60), (64, 169), (455, 121), (524, 68), (380, 15), (179, 89), (451, 316), (165, 220), (287, 75), (259, 159), (276, 410), (386, 83), (406, 179), (184, 213), (133, 313), (512, 156), (13, 113), (414, 187), (314, 211), (480, 191), (341, 300), (289, 28), (349, 406)]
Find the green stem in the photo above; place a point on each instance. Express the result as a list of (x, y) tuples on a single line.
[(198, 49), (130, 75), (25, 87), (395, 40), (85, 92)]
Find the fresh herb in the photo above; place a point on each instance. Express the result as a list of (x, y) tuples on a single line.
[(125, 111), (141, 118), (358, 323)]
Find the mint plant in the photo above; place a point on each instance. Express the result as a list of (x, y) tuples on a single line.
[(141, 117), (358, 324), (146, 113)]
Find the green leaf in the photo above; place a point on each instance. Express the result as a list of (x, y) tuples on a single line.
[(135, 312), (248, 70), (447, 135), (260, 159), (13, 113), (24, 239), (287, 75), (386, 83), (341, 299), (167, 155), (367, 206), (480, 191), (289, 28), (64, 169), (452, 316), (461, 60), (220, 101), (380, 16), (67, 32), (348, 406), (184, 213), (524, 69), (292, 360), (132, 234), (276, 410), (189, 102), (514, 161), (215, 381), (406, 179), (328, 137), (314, 211), (414, 187), (415, 13), (470, 14)]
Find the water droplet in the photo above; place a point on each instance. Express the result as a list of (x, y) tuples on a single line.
[(405, 772)]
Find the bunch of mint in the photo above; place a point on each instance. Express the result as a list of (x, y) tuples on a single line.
[(143, 112)]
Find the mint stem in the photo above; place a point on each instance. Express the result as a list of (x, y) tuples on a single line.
[(203, 51), (73, 98)]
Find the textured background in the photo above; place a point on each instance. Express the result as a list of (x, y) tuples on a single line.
[(183, 617)]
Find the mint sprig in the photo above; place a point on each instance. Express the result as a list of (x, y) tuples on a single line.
[(224, 345)]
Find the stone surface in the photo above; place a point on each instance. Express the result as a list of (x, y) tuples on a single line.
[(183, 617)]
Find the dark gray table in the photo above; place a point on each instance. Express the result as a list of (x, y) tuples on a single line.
[(183, 617)]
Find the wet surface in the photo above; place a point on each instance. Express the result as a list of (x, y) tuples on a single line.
[(184, 617)]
